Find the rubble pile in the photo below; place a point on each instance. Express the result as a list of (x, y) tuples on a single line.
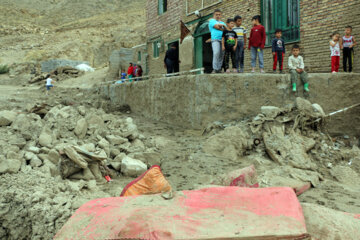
[(294, 139), (59, 74), (49, 154)]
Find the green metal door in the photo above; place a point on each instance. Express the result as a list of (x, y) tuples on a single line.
[(199, 52)]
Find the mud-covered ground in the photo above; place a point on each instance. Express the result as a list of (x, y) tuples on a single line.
[(39, 197)]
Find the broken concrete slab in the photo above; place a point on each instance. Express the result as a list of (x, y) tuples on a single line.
[(132, 167), (54, 156), (7, 117), (75, 157), (116, 140), (45, 138), (270, 111), (81, 128), (9, 165)]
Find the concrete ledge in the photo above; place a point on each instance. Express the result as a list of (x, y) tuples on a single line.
[(194, 101)]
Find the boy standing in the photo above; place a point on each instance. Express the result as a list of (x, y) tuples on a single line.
[(229, 43), (296, 66), (278, 50), (348, 43), (216, 28), (257, 43), (241, 45), (49, 84)]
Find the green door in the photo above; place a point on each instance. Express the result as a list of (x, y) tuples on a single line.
[(198, 52)]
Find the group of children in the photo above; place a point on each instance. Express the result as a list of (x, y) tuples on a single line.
[(134, 71), (233, 44)]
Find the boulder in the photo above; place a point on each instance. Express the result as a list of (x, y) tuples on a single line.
[(35, 162), (270, 111), (34, 149), (54, 156), (7, 117), (114, 152), (45, 138), (9, 165), (81, 128), (132, 167), (116, 140)]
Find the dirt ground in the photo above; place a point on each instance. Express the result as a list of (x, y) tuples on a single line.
[(190, 159)]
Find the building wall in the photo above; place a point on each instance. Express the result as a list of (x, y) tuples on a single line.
[(318, 19), (166, 27)]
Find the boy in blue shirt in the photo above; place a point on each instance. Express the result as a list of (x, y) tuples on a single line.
[(216, 28), (278, 50)]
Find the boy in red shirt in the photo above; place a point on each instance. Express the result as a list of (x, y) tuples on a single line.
[(257, 43)]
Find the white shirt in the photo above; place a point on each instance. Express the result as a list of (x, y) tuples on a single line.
[(296, 62), (335, 51), (48, 81)]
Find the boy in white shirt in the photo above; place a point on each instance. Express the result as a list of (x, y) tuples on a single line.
[(49, 84), (296, 66)]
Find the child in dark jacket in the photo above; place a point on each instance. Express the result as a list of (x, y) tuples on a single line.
[(278, 50), (229, 43), (257, 43)]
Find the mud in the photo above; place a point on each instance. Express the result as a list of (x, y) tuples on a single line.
[(49, 185)]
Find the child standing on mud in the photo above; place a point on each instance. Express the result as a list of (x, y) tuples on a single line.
[(257, 43), (296, 66), (348, 43), (49, 84), (335, 52), (229, 43)]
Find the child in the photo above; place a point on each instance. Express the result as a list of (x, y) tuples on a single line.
[(139, 73), (296, 66), (335, 52), (240, 49), (229, 43), (348, 43), (123, 74), (257, 43), (130, 71), (278, 50), (49, 84)]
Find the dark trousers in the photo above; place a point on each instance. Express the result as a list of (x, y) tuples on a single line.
[(240, 55), (229, 53), (279, 57), (348, 57), (170, 66)]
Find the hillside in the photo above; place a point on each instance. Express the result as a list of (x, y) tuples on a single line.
[(36, 30)]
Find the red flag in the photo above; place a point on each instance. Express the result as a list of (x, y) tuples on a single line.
[(184, 31)]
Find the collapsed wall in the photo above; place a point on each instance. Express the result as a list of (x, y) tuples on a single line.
[(195, 101)]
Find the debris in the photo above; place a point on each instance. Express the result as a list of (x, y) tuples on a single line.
[(245, 177), (75, 157), (9, 165), (7, 117), (270, 111), (45, 138), (132, 167), (81, 128)]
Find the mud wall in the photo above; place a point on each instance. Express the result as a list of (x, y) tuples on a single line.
[(194, 101)]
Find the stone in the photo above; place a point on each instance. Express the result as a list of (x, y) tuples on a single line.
[(7, 117), (104, 144), (75, 157), (132, 167), (138, 145), (81, 128), (17, 141), (45, 138), (114, 152), (82, 110), (318, 109), (270, 111), (94, 168), (116, 165), (119, 157), (12, 155), (91, 185), (116, 140), (86, 174), (149, 158), (9, 165), (54, 156), (34, 149), (14, 148), (29, 155), (35, 162), (89, 147)]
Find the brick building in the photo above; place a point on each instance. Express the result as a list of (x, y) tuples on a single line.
[(306, 22)]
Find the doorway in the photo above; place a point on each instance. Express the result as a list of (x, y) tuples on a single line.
[(203, 49), (177, 65)]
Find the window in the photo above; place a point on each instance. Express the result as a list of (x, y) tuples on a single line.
[(139, 56), (284, 15), (162, 6), (157, 47)]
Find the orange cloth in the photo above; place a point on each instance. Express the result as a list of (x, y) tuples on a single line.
[(150, 182)]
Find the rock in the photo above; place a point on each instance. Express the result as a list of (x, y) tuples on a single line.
[(51, 168), (13, 155), (138, 145), (91, 185), (130, 131), (75, 157), (54, 156), (116, 140), (17, 141), (29, 155), (34, 149), (116, 165), (82, 110), (7, 117), (45, 138), (94, 168), (104, 144), (318, 109), (14, 149), (95, 120), (30, 125), (132, 167), (35, 162), (86, 174), (114, 152), (270, 111), (119, 157), (9, 165), (89, 147), (81, 128)]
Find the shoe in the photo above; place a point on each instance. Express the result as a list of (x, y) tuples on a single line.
[(281, 72), (262, 71), (235, 70), (227, 70), (241, 70), (294, 87), (274, 71), (306, 87), (333, 72), (253, 70)]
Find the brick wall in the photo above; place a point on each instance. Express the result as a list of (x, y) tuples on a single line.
[(318, 19)]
